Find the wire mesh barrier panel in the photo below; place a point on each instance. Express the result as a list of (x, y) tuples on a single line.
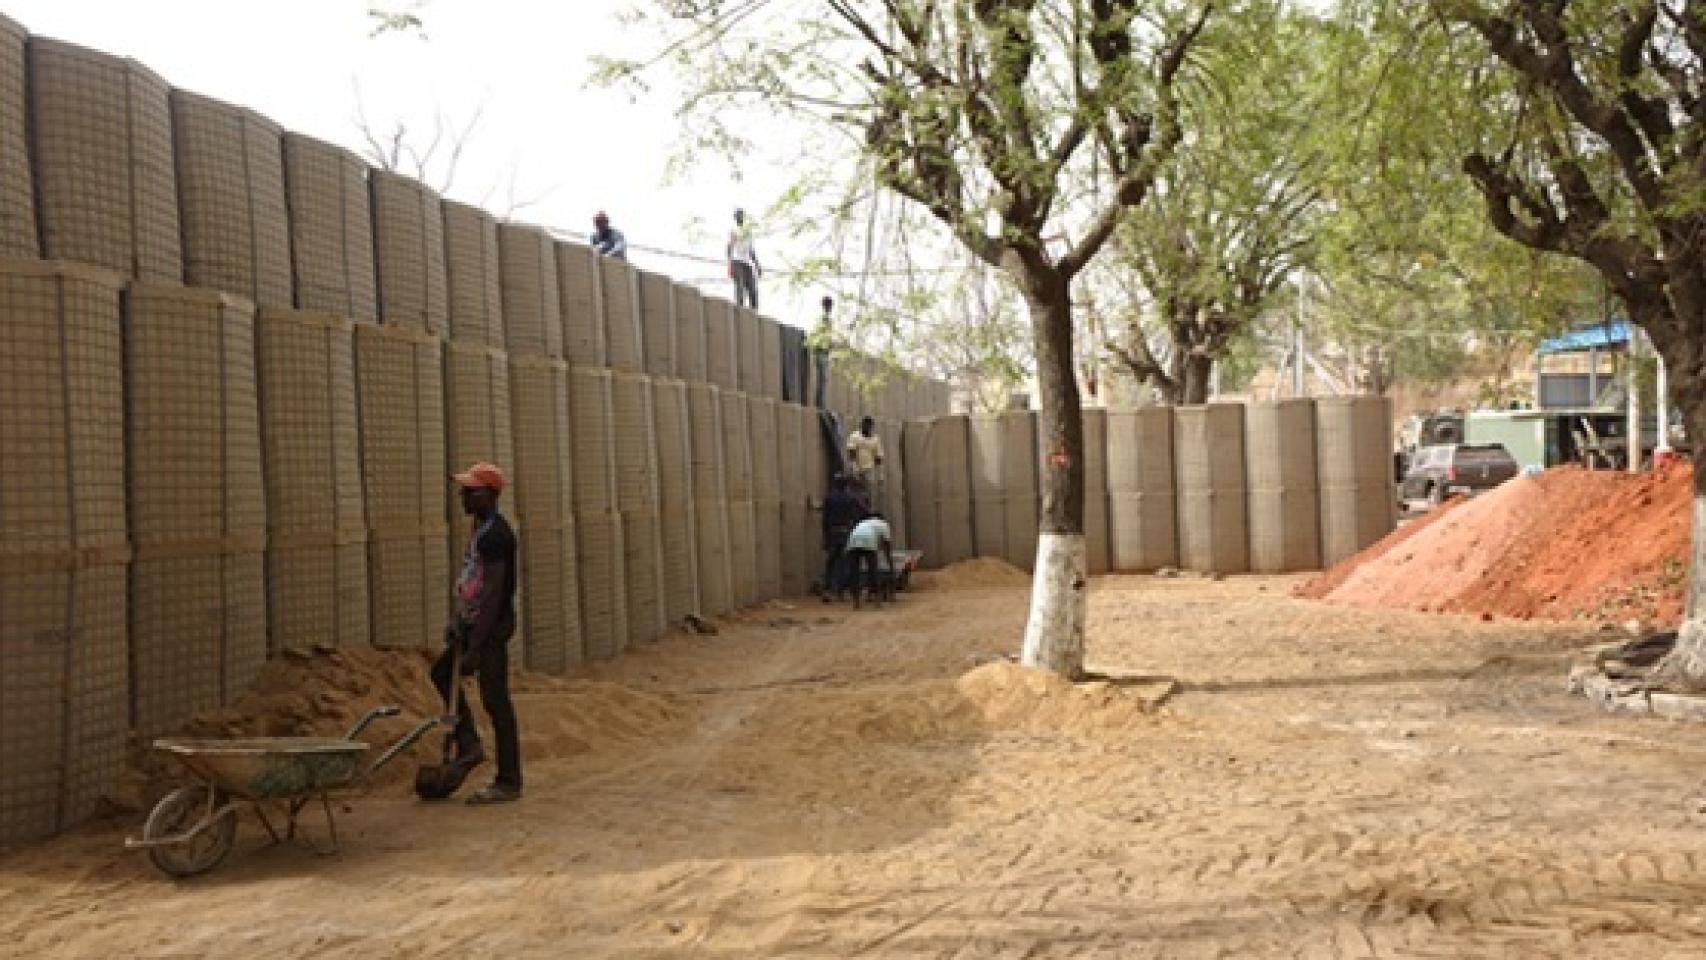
[(1097, 554), (400, 390), (18, 237), (1353, 446), (689, 333), (950, 450), (657, 323), (317, 588), (473, 278), (236, 231), (603, 573), (64, 692), (1003, 453), (678, 530), (770, 358), (720, 364), (197, 503), (578, 285), (643, 575), (533, 322), (408, 233), (601, 556), (1142, 503), (749, 354), (544, 502), (619, 305), (106, 191), (921, 522), (1208, 450), (710, 498), (1284, 503), (331, 228)]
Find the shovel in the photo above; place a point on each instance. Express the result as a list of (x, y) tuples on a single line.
[(440, 781)]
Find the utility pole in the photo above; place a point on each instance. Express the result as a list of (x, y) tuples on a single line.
[(1632, 440)]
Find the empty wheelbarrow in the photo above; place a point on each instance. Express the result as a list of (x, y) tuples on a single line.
[(192, 828)]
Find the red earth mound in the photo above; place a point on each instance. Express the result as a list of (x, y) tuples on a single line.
[(1567, 544)]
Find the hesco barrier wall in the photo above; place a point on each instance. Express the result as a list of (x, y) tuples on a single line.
[(64, 693), (198, 584), (527, 266), (1353, 445), (1098, 554), (473, 275), (1285, 517), (348, 339), (331, 228), (657, 323), (18, 237), (1003, 455), (578, 298), (543, 505), (408, 234), (236, 233), (105, 177), (1208, 452), (619, 295), (317, 589), (400, 395)]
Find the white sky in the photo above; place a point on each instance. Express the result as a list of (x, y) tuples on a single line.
[(576, 150)]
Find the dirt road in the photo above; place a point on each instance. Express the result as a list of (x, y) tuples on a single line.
[(815, 782)]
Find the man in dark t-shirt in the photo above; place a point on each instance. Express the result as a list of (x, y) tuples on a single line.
[(842, 511), (483, 624)]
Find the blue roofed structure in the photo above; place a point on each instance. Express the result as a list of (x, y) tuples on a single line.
[(1609, 335)]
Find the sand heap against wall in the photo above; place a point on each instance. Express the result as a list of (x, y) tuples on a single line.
[(1567, 544)]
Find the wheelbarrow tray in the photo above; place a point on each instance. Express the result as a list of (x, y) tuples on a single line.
[(269, 768)]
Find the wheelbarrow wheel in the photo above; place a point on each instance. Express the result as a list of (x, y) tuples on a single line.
[(179, 811)]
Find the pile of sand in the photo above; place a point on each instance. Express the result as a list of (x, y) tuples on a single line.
[(993, 698), (979, 573), (1567, 544)]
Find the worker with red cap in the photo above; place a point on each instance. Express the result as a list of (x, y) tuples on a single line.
[(606, 239), (482, 625)]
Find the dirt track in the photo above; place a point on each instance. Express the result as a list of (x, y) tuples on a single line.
[(816, 782)]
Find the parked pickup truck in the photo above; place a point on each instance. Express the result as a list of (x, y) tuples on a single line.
[(1447, 469)]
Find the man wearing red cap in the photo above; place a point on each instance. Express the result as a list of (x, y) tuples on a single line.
[(606, 239), (483, 624)]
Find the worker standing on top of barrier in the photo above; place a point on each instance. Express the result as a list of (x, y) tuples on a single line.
[(606, 239), (865, 456), (743, 262)]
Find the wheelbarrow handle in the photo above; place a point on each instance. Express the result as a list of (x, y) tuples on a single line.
[(408, 740), (369, 717)]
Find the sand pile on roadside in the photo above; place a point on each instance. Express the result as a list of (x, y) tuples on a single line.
[(978, 573), (1566, 544), (993, 698)]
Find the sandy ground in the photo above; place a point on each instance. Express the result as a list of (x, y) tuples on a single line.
[(816, 782)]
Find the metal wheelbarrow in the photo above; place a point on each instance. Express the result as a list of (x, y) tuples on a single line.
[(191, 829)]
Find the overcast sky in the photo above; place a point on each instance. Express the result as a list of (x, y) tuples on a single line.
[(568, 149)]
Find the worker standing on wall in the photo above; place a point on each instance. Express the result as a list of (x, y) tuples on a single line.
[(865, 459), (606, 239), (743, 262), (482, 626)]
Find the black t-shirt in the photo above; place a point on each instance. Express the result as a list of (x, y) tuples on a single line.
[(496, 544)]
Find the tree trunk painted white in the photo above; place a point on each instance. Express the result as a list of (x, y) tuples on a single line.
[(1685, 668), (1054, 633)]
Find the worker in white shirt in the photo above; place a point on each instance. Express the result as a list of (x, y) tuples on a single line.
[(870, 553), (865, 458), (743, 262)]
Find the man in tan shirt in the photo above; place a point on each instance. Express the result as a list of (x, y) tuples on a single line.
[(865, 459)]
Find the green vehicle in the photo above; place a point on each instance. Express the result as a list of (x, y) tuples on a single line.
[(1539, 439)]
